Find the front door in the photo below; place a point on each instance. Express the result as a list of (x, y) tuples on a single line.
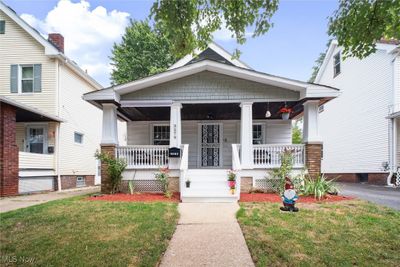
[(210, 145), (36, 139)]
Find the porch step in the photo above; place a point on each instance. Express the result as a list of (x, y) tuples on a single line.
[(208, 185)]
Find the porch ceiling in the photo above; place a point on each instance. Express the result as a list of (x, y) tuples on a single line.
[(220, 111)]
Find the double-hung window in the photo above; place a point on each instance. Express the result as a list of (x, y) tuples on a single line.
[(336, 65), (26, 78), (258, 134), (160, 135)]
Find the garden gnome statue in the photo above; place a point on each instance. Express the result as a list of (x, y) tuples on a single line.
[(289, 197)]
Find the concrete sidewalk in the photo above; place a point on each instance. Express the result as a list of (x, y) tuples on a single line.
[(13, 203), (207, 235)]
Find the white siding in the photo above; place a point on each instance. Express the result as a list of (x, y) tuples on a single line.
[(353, 126), (277, 132), (81, 117), (18, 47), (35, 184)]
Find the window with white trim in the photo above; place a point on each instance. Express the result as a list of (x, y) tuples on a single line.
[(78, 138), (258, 134), (160, 135), (336, 64), (27, 79)]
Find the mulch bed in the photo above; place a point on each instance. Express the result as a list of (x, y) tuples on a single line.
[(137, 197), (261, 197)]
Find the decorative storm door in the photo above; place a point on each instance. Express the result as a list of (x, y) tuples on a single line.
[(210, 145)]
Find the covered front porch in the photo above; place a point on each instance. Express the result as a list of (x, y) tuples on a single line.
[(212, 132)]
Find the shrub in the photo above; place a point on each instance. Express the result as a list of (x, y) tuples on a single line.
[(115, 167), (163, 177), (319, 187), (284, 170)]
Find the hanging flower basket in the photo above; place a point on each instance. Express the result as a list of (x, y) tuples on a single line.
[(285, 113)]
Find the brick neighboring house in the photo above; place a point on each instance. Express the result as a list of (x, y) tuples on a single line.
[(48, 133)]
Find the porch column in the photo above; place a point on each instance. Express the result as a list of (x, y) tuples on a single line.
[(246, 135), (311, 138), (175, 134), (109, 142)]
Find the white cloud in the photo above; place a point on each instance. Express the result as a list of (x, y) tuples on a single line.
[(88, 34), (225, 35)]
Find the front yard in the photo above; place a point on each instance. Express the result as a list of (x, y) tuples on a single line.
[(348, 233), (78, 232)]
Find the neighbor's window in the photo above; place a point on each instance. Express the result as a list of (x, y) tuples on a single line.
[(257, 134), (2, 26), (27, 79), (80, 181), (78, 138), (160, 135), (336, 64)]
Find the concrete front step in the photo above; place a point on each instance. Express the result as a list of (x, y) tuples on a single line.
[(207, 185)]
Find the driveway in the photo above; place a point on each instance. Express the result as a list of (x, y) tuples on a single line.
[(382, 195), (13, 203)]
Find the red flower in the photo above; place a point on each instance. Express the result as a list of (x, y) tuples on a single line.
[(285, 110)]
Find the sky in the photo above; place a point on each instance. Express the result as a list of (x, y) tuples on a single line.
[(90, 28)]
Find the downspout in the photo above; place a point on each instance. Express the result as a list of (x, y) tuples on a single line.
[(58, 128)]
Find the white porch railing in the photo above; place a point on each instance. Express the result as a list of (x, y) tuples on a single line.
[(236, 165), (269, 156), (183, 167), (35, 161), (143, 157)]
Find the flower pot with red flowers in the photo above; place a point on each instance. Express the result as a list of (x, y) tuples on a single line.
[(285, 113), (232, 181)]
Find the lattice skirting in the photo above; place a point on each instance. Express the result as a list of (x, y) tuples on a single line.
[(268, 185), (143, 186)]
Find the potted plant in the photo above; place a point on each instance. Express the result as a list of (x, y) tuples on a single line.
[(232, 181), (285, 112), (187, 183)]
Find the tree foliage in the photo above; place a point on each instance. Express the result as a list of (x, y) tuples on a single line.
[(189, 24), (297, 134), (358, 24), (318, 63), (143, 51)]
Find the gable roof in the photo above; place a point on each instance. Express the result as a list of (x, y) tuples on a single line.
[(212, 52), (306, 90), (49, 49), (389, 46)]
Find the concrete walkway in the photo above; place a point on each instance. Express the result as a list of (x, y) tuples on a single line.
[(207, 235), (13, 203), (382, 195)]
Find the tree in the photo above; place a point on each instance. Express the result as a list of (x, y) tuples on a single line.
[(189, 24), (143, 51), (297, 135), (359, 24), (318, 63)]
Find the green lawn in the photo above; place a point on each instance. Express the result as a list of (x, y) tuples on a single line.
[(351, 233), (77, 232)]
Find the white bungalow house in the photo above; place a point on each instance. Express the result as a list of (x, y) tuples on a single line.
[(214, 109)]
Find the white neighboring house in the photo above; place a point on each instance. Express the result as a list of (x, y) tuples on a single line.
[(212, 109), (361, 128), (55, 131)]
